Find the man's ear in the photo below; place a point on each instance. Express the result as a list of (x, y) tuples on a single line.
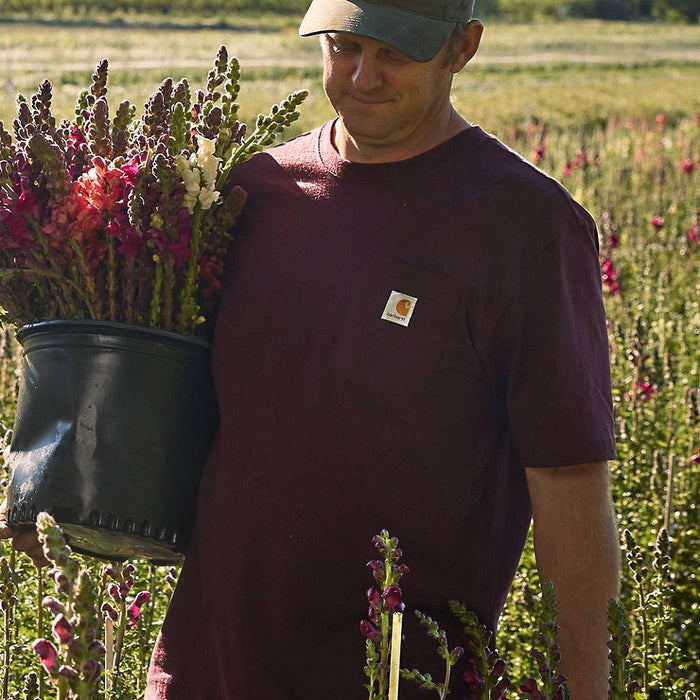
[(468, 45)]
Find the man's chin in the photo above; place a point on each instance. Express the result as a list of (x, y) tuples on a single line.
[(367, 130)]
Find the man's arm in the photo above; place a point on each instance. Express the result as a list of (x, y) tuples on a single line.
[(577, 548)]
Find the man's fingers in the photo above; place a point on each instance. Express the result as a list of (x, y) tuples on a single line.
[(25, 540)]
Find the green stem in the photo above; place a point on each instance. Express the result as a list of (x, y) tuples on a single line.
[(6, 655), (448, 671), (40, 626), (112, 278), (119, 644), (235, 158), (187, 315), (645, 639), (154, 312), (384, 658), (59, 277)]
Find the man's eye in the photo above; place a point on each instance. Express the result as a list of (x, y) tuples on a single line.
[(341, 46), (397, 57)]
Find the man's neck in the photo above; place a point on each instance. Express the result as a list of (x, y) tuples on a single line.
[(358, 151)]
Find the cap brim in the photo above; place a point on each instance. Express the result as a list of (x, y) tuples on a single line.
[(420, 38)]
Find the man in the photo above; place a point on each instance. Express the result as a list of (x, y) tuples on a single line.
[(411, 337)]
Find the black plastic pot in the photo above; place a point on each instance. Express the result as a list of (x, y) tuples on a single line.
[(112, 429)]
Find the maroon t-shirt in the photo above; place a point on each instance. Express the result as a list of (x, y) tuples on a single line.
[(395, 343)]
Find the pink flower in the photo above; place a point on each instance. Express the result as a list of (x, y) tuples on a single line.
[(539, 154), (47, 653), (660, 120), (694, 233), (567, 169), (657, 222), (61, 629), (134, 610), (687, 166)]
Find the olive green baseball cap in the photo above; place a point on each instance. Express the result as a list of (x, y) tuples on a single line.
[(417, 28)]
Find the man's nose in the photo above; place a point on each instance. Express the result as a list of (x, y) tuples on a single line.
[(367, 74)]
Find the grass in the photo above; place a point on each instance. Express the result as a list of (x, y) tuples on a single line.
[(568, 73)]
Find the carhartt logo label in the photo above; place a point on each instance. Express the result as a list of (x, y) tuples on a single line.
[(399, 308)]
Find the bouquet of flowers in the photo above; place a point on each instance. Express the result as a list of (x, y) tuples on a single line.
[(122, 218)]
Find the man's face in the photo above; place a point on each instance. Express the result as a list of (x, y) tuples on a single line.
[(381, 95)]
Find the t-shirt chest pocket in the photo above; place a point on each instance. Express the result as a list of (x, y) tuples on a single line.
[(394, 327)]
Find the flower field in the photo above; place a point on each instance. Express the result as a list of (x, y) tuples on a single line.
[(613, 112)]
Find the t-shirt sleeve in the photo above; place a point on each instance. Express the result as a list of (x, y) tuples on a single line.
[(551, 355)]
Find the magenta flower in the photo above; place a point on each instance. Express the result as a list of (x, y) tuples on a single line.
[(392, 598), (369, 631), (687, 166), (109, 611), (641, 390), (47, 653), (610, 276), (539, 154), (694, 233), (373, 596), (377, 568), (53, 605), (67, 672), (473, 679), (61, 629), (658, 222), (134, 610)]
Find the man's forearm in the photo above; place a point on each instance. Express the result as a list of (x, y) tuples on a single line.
[(576, 545)]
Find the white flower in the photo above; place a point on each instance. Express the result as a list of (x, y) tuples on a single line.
[(199, 174), (207, 197)]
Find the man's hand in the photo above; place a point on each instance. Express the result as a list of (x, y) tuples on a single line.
[(577, 548), (24, 538)]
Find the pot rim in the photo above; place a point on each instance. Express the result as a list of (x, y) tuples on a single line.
[(107, 328)]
